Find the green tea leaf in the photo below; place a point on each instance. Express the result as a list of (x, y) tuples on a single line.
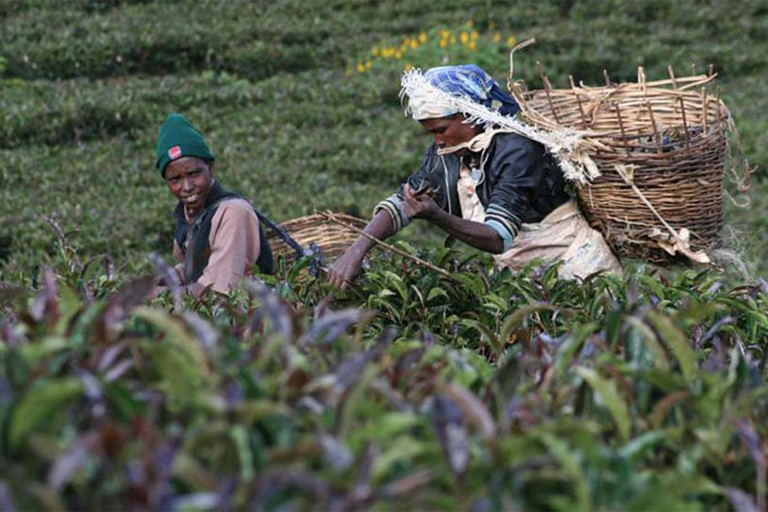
[(606, 393), (677, 343), (43, 400)]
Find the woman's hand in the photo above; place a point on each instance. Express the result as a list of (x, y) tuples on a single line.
[(344, 271), (419, 206)]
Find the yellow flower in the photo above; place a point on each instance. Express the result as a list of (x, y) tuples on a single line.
[(496, 37), (474, 35), (360, 67), (422, 37), (472, 45), (375, 51), (445, 34), (368, 65), (407, 67), (443, 43), (511, 41), (414, 44), (398, 55), (453, 40), (464, 38)]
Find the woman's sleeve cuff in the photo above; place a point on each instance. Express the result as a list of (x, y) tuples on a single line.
[(503, 232), (393, 205)]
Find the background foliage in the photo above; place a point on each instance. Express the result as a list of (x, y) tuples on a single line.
[(276, 89)]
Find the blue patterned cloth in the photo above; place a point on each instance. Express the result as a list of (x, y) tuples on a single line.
[(467, 81)]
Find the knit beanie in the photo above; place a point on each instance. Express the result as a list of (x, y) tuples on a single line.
[(178, 138)]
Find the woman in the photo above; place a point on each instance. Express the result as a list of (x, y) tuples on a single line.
[(217, 235), (490, 187)]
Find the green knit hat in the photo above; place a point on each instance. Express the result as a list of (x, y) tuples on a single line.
[(178, 138)]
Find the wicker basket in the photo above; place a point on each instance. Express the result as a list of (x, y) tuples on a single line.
[(330, 237), (664, 144)]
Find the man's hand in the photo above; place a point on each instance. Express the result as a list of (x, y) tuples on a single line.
[(419, 206), (346, 268)]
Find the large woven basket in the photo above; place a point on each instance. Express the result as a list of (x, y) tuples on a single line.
[(663, 149), (331, 238)]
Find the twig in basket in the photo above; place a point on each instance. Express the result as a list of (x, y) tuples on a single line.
[(332, 217), (621, 127), (656, 135), (578, 101), (685, 125)]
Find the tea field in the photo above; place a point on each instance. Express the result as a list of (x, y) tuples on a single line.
[(415, 390)]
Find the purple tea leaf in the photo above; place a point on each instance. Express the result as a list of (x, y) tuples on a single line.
[(331, 325), (448, 420), (65, 465), (474, 410), (407, 484), (118, 370), (203, 332), (763, 285), (750, 438), (110, 355), (740, 500), (394, 398), (168, 274), (123, 302), (335, 453), (274, 481), (272, 308), (196, 501), (6, 502), (46, 303)]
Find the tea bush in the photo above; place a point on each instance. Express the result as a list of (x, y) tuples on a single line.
[(469, 391)]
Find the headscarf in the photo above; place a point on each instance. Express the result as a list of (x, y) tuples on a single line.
[(432, 96)]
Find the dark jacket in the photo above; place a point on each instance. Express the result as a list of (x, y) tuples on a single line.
[(193, 238), (522, 184)]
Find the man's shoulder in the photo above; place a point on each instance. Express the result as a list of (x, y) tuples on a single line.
[(236, 206)]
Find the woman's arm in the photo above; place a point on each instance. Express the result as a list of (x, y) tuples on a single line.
[(347, 267), (476, 234)]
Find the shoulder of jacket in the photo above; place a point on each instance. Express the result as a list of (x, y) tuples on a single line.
[(235, 206)]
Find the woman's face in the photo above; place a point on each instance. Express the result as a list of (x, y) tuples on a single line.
[(190, 180), (450, 131)]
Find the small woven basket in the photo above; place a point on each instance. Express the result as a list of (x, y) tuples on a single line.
[(662, 154), (331, 238)]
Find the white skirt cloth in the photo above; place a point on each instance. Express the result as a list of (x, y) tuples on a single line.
[(563, 235)]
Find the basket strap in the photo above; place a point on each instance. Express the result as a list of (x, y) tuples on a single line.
[(285, 237)]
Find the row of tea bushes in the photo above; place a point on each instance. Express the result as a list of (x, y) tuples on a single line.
[(470, 392)]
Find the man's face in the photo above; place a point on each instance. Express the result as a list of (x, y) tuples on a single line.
[(449, 131), (190, 180)]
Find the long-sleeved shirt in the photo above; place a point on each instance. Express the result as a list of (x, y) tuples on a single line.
[(519, 183), (234, 245)]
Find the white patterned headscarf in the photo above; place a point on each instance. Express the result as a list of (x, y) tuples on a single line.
[(427, 98)]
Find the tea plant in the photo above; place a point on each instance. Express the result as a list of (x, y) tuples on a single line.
[(491, 391)]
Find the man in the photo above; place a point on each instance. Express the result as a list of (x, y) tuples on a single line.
[(486, 185), (217, 237)]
